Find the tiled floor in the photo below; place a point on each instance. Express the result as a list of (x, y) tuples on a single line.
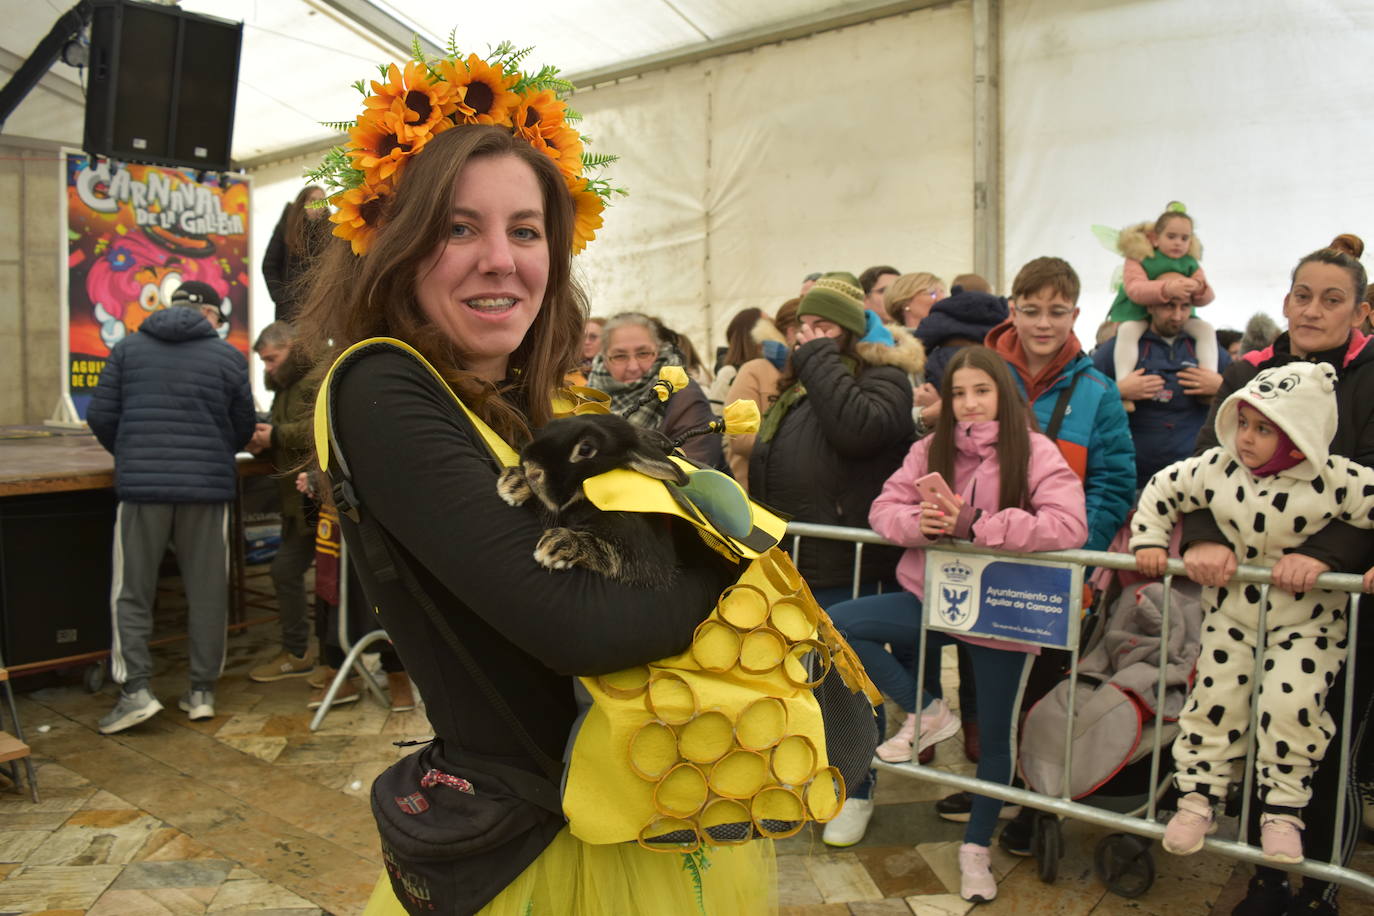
[(252, 813)]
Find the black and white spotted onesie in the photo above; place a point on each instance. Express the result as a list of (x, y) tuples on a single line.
[(1264, 517)]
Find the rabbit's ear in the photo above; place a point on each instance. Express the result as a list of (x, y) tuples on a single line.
[(656, 464)]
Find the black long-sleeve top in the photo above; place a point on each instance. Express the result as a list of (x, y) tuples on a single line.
[(420, 468)]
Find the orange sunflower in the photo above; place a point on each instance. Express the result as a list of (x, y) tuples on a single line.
[(564, 146), (422, 102), (381, 144), (358, 212), (538, 113), (587, 207), (485, 96)]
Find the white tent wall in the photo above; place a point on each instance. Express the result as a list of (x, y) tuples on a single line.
[(746, 172), (1255, 114), (650, 254)]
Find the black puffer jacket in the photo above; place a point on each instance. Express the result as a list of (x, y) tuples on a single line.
[(837, 447), (173, 406)]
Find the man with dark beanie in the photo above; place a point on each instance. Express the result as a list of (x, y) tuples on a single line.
[(173, 406)]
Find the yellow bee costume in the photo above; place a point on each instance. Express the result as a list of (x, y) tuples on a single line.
[(717, 745)]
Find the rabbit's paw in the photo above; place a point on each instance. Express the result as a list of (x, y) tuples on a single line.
[(559, 548), (513, 487)]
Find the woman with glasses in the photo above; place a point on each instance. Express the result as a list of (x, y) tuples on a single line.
[(633, 350), (911, 296)]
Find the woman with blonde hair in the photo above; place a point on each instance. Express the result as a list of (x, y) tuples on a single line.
[(910, 297)]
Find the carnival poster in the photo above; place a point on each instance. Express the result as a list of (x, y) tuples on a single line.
[(134, 234)]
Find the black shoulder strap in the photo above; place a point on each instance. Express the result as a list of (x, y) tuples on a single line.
[(1061, 407), (387, 562)]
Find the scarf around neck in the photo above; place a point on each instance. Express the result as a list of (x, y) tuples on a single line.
[(625, 395), (772, 420)]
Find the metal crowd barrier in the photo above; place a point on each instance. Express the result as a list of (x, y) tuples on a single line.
[(1062, 805)]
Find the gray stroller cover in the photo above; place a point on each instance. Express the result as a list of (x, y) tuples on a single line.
[(1118, 676)]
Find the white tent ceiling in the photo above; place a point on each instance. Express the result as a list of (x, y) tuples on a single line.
[(765, 142), (300, 57)]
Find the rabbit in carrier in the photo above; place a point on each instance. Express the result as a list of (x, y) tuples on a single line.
[(630, 547)]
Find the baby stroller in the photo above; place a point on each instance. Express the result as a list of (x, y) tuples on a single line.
[(1114, 720)]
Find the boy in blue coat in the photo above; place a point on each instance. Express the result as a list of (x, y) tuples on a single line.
[(1075, 404)]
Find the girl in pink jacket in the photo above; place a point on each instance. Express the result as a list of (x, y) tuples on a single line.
[(1014, 491)]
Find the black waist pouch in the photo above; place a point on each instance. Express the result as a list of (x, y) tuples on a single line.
[(454, 835)]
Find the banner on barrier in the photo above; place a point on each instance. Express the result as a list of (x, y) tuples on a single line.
[(1030, 601), (134, 234)]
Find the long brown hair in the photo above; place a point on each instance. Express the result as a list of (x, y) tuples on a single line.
[(1014, 424), (739, 338), (352, 298), (297, 220)]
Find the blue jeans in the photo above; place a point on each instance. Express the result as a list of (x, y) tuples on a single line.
[(829, 597), (869, 624), (999, 676)]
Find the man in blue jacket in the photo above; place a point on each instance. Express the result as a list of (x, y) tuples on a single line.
[(173, 406), (1172, 394)]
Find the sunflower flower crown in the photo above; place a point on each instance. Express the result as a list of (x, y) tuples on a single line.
[(414, 103)]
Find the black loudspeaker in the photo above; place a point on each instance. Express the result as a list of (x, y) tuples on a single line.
[(55, 555), (163, 85)]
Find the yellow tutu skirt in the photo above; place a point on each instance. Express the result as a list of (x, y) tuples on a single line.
[(578, 879)]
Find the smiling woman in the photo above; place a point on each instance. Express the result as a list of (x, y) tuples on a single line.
[(1325, 305), (484, 285), (459, 250), (633, 350)]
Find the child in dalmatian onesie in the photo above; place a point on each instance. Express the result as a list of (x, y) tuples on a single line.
[(1272, 484)]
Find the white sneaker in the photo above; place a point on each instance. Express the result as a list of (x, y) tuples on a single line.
[(849, 826), (129, 710), (198, 704)]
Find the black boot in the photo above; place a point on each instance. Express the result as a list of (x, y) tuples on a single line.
[(1311, 905), (1268, 895), (1017, 834)]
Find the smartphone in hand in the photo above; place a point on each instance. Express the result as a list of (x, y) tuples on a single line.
[(933, 489)]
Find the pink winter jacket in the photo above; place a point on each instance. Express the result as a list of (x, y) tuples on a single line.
[(1056, 520), (1144, 291)]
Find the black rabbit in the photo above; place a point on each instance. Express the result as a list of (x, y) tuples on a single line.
[(630, 547)]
